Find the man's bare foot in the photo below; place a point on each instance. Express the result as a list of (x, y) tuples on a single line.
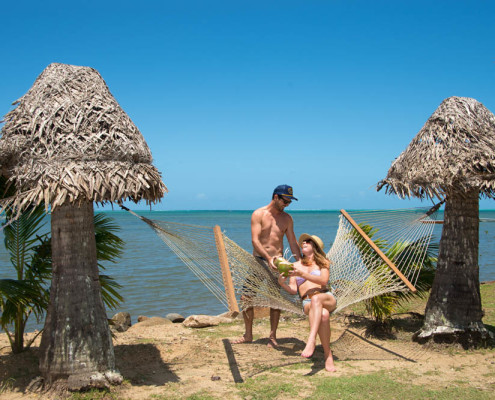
[(309, 349), (272, 343), (243, 339)]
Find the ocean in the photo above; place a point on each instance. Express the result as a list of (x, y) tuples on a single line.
[(155, 282)]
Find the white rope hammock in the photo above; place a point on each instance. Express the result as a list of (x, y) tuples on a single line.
[(374, 252)]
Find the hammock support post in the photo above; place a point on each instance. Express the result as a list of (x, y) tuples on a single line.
[(226, 274), (380, 253)]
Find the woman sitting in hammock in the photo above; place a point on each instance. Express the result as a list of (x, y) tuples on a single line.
[(309, 278)]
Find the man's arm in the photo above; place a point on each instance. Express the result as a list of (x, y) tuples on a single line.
[(255, 237), (291, 238)]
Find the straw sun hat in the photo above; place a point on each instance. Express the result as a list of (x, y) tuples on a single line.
[(316, 240)]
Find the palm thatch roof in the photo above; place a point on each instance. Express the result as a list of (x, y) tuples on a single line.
[(454, 151), (68, 139)]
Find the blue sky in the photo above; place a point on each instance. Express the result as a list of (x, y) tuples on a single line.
[(236, 97)]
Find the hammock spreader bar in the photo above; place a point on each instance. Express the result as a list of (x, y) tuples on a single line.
[(222, 256), (377, 250), (226, 275)]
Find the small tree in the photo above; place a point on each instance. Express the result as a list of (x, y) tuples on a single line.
[(30, 255), (383, 306), (27, 249)]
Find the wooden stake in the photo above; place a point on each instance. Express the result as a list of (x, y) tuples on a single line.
[(378, 251), (226, 275)]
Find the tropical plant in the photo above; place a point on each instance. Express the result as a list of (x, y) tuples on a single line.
[(109, 248), (25, 245), (30, 255), (383, 306)]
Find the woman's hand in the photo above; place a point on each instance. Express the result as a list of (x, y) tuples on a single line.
[(297, 270), (281, 279)]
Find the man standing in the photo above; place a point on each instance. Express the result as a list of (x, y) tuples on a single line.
[(269, 225)]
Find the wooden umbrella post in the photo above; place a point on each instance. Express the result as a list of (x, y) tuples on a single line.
[(378, 251), (226, 275)]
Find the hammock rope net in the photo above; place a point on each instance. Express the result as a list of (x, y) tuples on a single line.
[(357, 270)]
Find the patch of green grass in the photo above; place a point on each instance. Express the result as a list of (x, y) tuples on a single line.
[(171, 391), (380, 386), (145, 341), (7, 385), (203, 395), (297, 366), (222, 332), (489, 374), (94, 394), (432, 372), (488, 302), (264, 388), (167, 396)]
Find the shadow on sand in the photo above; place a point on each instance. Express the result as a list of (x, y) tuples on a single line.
[(151, 370)]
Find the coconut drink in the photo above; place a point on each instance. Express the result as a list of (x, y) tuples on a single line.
[(283, 266)]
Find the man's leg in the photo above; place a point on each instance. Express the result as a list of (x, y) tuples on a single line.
[(274, 318), (248, 315)]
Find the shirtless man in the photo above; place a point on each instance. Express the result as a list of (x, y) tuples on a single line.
[(269, 225)]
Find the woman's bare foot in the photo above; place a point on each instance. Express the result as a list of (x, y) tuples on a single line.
[(243, 339), (272, 343), (329, 365), (309, 349)]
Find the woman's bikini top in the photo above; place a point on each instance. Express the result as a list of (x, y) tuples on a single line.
[(300, 280)]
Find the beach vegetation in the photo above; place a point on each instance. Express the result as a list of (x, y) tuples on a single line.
[(30, 256), (94, 394), (385, 385), (488, 302), (264, 387), (7, 385), (202, 395), (378, 385), (382, 307)]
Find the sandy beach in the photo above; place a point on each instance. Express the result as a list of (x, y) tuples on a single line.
[(172, 361)]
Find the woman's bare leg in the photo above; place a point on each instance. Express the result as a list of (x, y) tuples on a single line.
[(314, 314), (318, 304), (324, 334)]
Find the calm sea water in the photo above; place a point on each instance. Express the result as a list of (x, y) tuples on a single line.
[(155, 282)]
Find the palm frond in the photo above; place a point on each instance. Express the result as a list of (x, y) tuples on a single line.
[(111, 297), (109, 246)]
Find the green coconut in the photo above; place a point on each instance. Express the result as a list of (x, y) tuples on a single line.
[(283, 266)]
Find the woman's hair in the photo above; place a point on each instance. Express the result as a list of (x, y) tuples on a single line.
[(320, 259)]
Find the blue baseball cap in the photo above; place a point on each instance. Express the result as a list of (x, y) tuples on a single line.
[(285, 191)]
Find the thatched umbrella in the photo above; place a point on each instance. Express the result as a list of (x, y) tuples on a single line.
[(68, 143), (69, 140), (452, 158)]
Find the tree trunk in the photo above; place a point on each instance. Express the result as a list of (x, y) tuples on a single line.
[(453, 312), (76, 340)]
